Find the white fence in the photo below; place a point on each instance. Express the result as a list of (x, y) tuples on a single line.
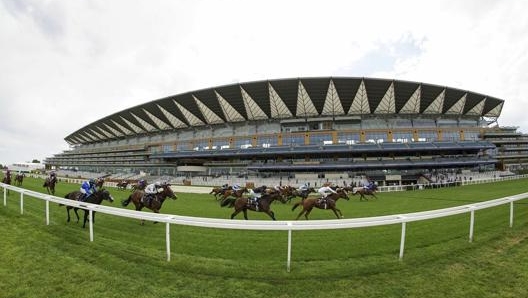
[(288, 225)]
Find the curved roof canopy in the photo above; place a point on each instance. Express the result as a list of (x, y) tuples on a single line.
[(288, 98)]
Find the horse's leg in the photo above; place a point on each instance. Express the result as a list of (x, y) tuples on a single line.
[(76, 214), (85, 218), (340, 215), (245, 213), (271, 214), (308, 212), (68, 212), (301, 213), (235, 213)]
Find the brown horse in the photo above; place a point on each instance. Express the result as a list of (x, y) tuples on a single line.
[(99, 182), (96, 198), (19, 178), (122, 185), (218, 191), (362, 191), (327, 203), (234, 193), (138, 198), (49, 184), (260, 205)]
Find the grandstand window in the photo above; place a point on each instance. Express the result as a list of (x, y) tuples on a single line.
[(377, 137), (269, 140), (451, 135), (320, 138), (427, 136), (239, 142), (348, 137), (220, 143), (402, 137), (293, 139)]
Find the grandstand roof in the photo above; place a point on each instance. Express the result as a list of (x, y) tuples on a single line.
[(288, 99)]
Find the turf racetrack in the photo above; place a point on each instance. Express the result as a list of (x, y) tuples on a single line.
[(128, 260)]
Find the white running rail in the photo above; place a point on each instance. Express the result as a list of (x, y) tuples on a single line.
[(279, 225)]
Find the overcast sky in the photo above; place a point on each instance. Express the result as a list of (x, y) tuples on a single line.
[(65, 64)]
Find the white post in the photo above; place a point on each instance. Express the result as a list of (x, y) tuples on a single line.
[(511, 214), (471, 225), (90, 214), (167, 240), (288, 262), (402, 240), (47, 212), (22, 203)]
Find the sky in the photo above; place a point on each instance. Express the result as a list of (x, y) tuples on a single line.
[(65, 64)]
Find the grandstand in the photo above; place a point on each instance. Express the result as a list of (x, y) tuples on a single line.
[(328, 128)]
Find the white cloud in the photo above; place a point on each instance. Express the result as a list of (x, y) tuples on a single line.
[(68, 63)]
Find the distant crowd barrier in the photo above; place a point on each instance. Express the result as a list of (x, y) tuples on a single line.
[(288, 225)]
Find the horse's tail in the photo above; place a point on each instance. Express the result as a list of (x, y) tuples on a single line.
[(127, 201), (227, 202), (296, 205)]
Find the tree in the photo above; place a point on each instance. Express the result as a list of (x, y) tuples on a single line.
[(35, 161)]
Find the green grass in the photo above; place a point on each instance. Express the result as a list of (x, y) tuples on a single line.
[(128, 260)]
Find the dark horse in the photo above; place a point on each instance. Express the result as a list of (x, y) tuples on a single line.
[(261, 205), (303, 193), (19, 178), (327, 203), (49, 184), (137, 197), (365, 191), (96, 198), (7, 179)]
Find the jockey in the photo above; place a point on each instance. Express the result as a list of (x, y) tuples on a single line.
[(254, 196), (142, 183), (87, 189), (325, 191), (225, 186), (303, 188), (151, 190), (369, 185), (236, 187)]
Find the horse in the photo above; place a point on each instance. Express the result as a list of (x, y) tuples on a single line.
[(122, 185), (219, 191), (365, 191), (19, 178), (99, 182), (155, 204), (302, 193), (138, 186), (235, 193), (96, 198), (327, 203), (260, 205), (49, 184), (7, 180)]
